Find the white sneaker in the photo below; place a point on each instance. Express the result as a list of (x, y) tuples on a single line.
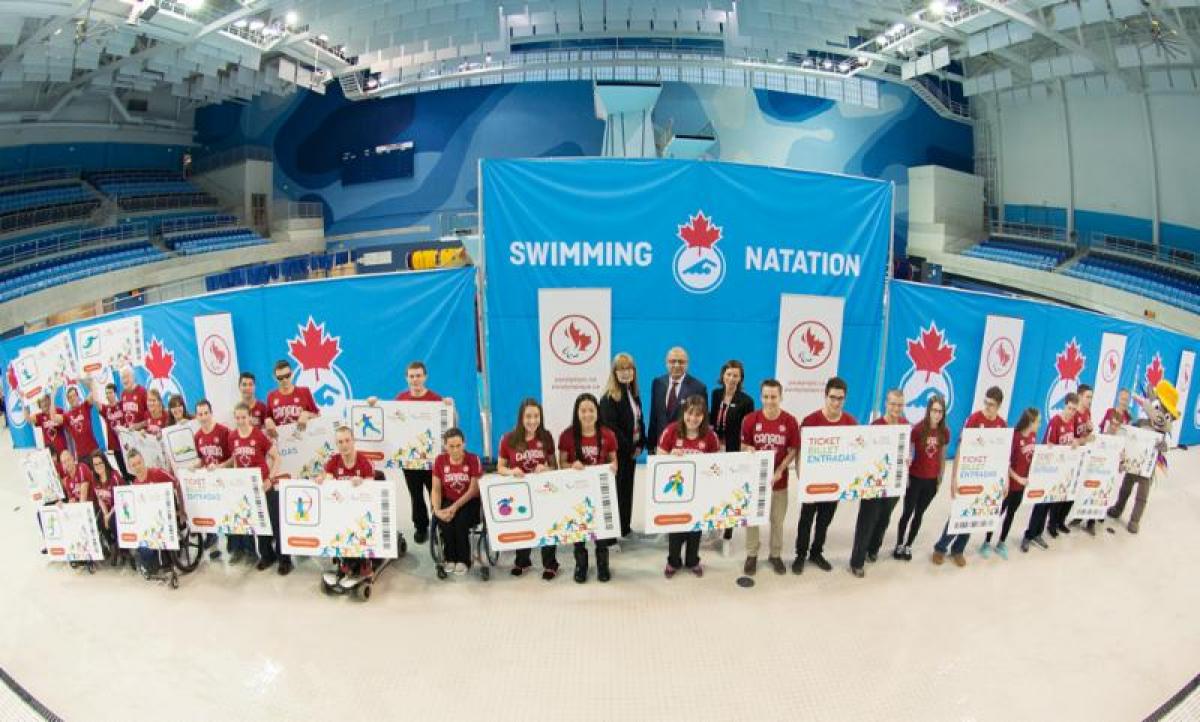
[(460, 569), (350, 581), (330, 578), (726, 547)]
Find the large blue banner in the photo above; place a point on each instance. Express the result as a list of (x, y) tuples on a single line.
[(696, 254), (346, 338), (935, 335)]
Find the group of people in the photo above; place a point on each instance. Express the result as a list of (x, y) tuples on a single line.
[(684, 419)]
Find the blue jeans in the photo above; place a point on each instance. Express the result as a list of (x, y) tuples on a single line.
[(959, 541)]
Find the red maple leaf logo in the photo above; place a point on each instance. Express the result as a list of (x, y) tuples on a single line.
[(699, 232), (1070, 362), (314, 349), (814, 344), (579, 338), (1155, 371), (159, 361), (1005, 357), (930, 353)]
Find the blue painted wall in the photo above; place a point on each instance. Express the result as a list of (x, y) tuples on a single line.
[(91, 156)]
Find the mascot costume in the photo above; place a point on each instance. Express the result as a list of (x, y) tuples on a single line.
[(1160, 408)]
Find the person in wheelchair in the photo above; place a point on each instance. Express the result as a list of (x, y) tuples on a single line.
[(77, 482), (588, 443), (353, 466), (455, 495), (107, 478), (150, 561)]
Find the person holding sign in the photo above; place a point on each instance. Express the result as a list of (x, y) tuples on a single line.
[(621, 411), (79, 424), (1019, 461), (77, 479), (114, 419), (831, 414), (1160, 409), (1084, 431), (288, 404), (133, 401), (49, 419), (348, 464), (455, 497), (588, 443), (529, 449), (770, 429), (929, 438), (156, 415), (148, 559), (213, 450), (729, 406), (1117, 416), (1060, 430), (874, 515), (107, 479), (690, 435), (1063, 430), (250, 448), (986, 418)]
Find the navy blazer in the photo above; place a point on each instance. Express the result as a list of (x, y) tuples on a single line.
[(688, 386)]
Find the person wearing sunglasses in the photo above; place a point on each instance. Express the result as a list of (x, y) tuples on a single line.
[(289, 404)]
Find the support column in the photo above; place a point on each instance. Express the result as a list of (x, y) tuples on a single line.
[(626, 108), (1156, 222), (1062, 91)]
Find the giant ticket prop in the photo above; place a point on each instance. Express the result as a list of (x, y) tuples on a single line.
[(46, 367), (225, 501), (70, 533), (302, 454), (336, 519), (145, 515), (41, 478), (840, 463), (399, 435), (179, 446), (1096, 490), (148, 445), (550, 508), (1141, 450), (1053, 473), (982, 480), (698, 492), (106, 347)]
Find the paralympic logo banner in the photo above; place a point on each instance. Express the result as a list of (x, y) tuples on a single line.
[(696, 254)]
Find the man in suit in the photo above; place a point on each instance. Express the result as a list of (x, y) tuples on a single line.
[(668, 393)]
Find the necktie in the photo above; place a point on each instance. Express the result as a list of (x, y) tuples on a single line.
[(673, 400)]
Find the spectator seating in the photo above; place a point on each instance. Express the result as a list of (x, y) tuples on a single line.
[(1177, 289), (44, 274), (13, 179), (25, 200), (17, 250), (296, 268), (216, 240), (139, 190), (1030, 255)]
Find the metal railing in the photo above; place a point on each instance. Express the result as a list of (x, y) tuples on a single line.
[(21, 252), (25, 220), (137, 204), (287, 210), (173, 226), (228, 157), (931, 86), (41, 175), (1169, 258), (1044, 234)]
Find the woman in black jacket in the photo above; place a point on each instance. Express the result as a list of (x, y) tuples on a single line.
[(621, 411), (729, 406)]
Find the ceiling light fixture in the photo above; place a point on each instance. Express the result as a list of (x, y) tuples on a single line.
[(937, 7), (291, 18), (257, 25)]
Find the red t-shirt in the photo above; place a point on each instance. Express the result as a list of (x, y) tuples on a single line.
[(286, 408), (72, 482), (155, 424), (155, 475), (456, 478), (766, 435), (927, 453), (817, 418), (1060, 431), (978, 421), (52, 434), (104, 491), (529, 459), (79, 428), (1083, 423), (1021, 457), (1114, 418), (114, 418), (360, 469), (672, 439), (213, 446), (251, 451), (593, 450), (133, 405), (427, 396)]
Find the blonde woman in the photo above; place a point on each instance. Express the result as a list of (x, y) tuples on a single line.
[(621, 411)]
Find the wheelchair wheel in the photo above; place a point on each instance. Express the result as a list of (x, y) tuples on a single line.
[(191, 549), (436, 550), (483, 548)]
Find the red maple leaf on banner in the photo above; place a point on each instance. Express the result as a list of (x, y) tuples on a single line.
[(1070, 362), (1155, 371), (815, 345), (579, 338), (159, 361), (930, 353), (700, 232), (314, 349)]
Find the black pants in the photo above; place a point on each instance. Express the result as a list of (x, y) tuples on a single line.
[(269, 547), (524, 558), (1037, 520), (874, 515), (602, 545), (456, 533), (419, 482), (1012, 502), (625, 469), (676, 541), (1060, 512), (119, 456), (917, 498), (822, 512)]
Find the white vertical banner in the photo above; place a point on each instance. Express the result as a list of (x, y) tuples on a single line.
[(998, 359), (1183, 382), (217, 349), (1108, 373), (807, 349), (575, 332)]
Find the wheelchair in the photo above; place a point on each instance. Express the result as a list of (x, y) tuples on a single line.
[(362, 589), (484, 557), (175, 562)]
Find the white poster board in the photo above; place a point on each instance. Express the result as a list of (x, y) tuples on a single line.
[(225, 501), (302, 454), (1097, 487), (41, 478), (219, 368), (1141, 450), (145, 515), (179, 446), (336, 519), (841, 463), (70, 534), (550, 508), (148, 445), (105, 348), (998, 359), (807, 349), (982, 467), (46, 367), (1052, 473), (398, 435), (699, 492)]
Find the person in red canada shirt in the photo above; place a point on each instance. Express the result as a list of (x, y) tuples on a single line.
[(986, 418), (1117, 416), (349, 465), (1019, 461), (771, 429), (250, 448), (691, 434), (157, 418), (248, 386), (77, 479), (588, 443), (149, 560), (874, 515), (289, 404), (1060, 431), (1084, 431), (212, 450), (79, 424), (529, 449), (929, 438), (106, 480), (831, 414), (133, 401), (50, 420), (456, 474), (114, 420)]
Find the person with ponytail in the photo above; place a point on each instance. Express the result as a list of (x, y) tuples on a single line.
[(529, 449), (587, 443), (1019, 461)]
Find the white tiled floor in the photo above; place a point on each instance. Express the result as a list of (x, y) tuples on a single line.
[(1094, 629)]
